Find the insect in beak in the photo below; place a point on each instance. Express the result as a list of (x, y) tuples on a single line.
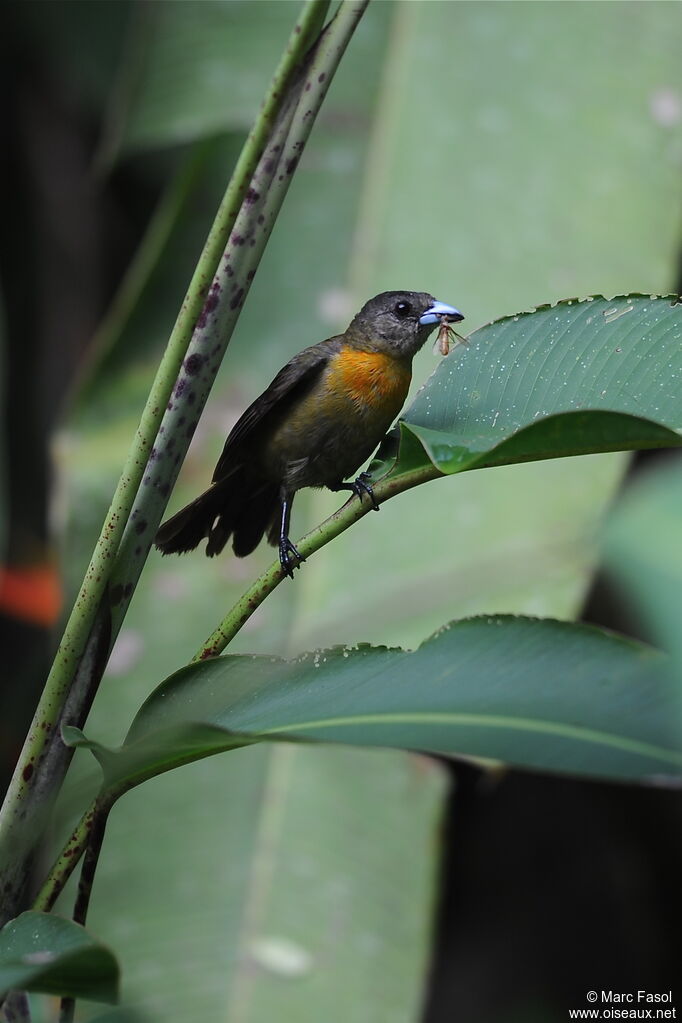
[(447, 337)]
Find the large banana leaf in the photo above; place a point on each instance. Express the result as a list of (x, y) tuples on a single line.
[(574, 378), (535, 693)]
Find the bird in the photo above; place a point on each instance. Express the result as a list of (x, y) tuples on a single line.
[(318, 421)]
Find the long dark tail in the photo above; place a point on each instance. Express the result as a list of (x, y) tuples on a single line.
[(240, 507)]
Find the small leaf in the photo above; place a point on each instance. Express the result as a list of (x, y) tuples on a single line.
[(535, 693), (574, 378), (43, 952)]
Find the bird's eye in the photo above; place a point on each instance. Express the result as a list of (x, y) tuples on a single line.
[(403, 309)]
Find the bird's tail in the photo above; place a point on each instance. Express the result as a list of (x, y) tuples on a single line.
[(241, 507)]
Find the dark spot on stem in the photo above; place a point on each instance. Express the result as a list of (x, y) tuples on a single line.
[(236, 301), (116, 594), (27, 773), (322, 77), (209, 305), (237, 239), (193, 363), (180, 387), (291, 164), (140, 526), (252, 195)]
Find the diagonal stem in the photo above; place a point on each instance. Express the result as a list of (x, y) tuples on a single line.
[(222, 302), (33, 787), (338, 523)]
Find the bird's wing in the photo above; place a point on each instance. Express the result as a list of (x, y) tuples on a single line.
[(292, 380)]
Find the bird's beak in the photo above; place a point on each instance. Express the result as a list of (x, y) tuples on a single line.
[(437, 311)]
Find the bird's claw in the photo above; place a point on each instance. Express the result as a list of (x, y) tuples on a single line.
[(289, 556), (361, 486)]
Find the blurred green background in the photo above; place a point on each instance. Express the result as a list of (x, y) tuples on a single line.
[(498, 155)]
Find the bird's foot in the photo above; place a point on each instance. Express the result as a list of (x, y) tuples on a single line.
[(361, 486), (289, 556)]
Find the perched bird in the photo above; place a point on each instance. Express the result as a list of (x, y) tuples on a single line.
[(318, 421)]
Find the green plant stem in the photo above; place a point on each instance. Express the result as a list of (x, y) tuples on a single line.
[(269, 184), (32, 790), (66, 862), (338, 523), (228, 291), (94, 846)]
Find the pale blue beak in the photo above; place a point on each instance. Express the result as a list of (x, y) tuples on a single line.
[(437, 311)]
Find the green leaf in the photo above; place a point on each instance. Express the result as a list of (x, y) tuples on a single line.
[(534, 693), (42, 952), (575, 378), (643, 550)]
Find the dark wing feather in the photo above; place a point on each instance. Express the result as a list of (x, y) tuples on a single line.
[(295, 378)]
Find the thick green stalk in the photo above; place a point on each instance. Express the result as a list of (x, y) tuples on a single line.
[(38, 774), (223, 300), (226, 296)]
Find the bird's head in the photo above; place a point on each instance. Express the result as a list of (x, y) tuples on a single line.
[(400, 321)]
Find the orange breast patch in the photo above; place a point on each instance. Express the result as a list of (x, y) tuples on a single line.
[(370, 378)]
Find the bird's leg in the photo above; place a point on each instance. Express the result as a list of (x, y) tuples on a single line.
[(287, 550), (359, 487)]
